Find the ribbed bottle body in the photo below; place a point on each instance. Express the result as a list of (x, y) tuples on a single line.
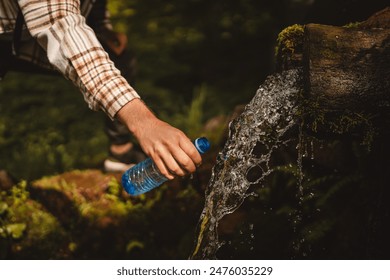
[(145, 176), (142, 178)]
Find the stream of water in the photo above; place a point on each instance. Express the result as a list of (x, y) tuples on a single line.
[(266, 119)]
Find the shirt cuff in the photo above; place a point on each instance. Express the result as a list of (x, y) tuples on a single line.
[(113, 95)]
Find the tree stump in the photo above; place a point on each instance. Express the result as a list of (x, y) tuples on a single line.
[(344, 67), (347, 68), (346, 73)]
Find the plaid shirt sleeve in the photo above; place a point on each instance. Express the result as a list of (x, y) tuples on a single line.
[(72, 47)]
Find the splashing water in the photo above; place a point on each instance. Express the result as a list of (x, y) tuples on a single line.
[(264, 122)]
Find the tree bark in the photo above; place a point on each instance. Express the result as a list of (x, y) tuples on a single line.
[(347, 67), (344, 67)]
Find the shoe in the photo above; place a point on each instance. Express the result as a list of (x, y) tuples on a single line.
[(121, 162)]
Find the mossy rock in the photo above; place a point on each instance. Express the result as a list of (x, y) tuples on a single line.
[(29, 230), (87, 215)]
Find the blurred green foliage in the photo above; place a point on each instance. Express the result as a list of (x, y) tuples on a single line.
[(196, 59), (46, 127)]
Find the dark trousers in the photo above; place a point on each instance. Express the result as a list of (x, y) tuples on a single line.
[(126, 62), (116, 132)]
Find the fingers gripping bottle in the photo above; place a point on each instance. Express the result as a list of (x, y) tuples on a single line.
[(145, 176)]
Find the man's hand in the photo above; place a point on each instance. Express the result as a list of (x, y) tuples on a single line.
[(170, 149)]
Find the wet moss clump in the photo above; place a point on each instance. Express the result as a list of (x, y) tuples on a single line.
[(289, 47)]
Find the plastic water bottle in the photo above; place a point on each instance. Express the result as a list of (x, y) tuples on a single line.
[(145, 176)]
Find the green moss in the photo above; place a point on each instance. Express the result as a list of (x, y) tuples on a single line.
[(289, 40), (134, 244), (324, 120), (353, 25), (114, 187), (72, 215), (26, 226)]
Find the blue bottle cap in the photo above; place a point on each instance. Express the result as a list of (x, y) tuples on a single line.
[(202, 144)]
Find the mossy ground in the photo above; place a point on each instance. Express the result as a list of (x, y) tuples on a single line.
[(87, 215)]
